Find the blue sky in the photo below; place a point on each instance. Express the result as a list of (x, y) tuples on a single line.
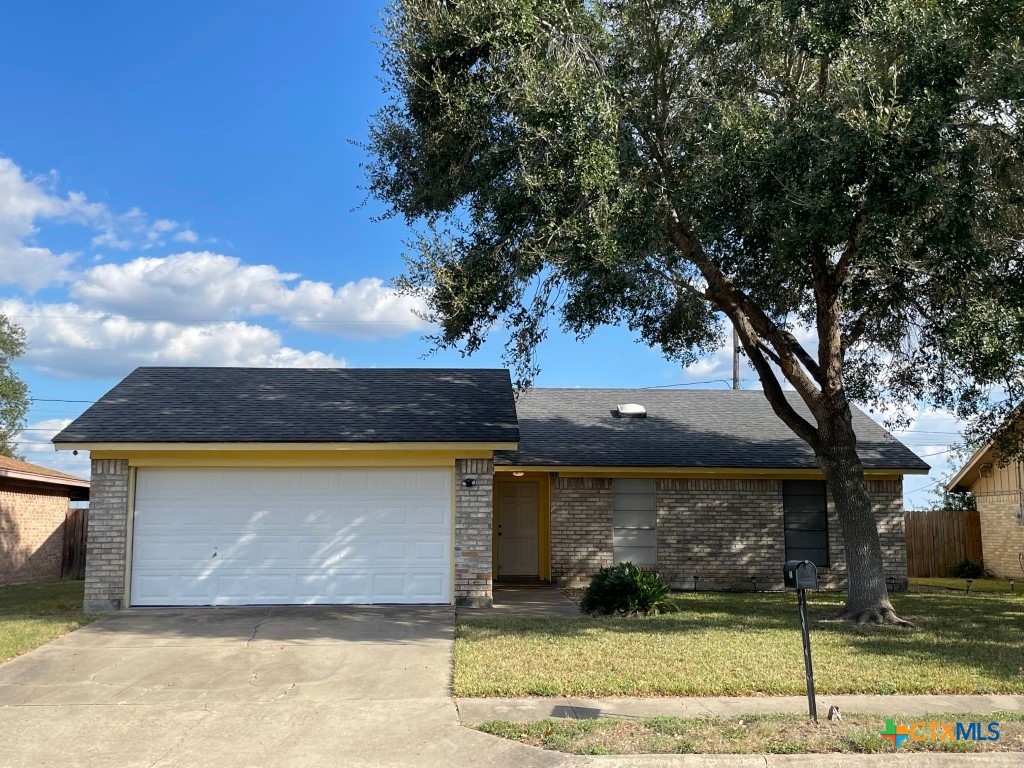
[(179, 185)]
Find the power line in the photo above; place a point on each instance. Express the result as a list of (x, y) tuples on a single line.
[(57, 400), (103, 318), (689, 384)]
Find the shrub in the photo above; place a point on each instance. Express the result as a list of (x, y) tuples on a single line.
[(967, 569), (626, 589)]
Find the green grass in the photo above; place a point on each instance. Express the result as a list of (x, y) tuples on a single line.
[(34, 614), (721, 644), (997, 586), (747, 734)]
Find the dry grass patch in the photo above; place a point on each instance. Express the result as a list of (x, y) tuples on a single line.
[(34, 614), (722, 644), (746, 734)]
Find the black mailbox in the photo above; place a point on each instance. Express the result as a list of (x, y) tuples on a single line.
[(800, 574)]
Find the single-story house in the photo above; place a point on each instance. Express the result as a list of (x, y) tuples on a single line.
[(33, 507), (234, 486), (999, 495)]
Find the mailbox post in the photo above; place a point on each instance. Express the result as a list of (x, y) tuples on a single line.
[(802, 575)]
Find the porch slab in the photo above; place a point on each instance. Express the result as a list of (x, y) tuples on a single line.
[(520, 601)]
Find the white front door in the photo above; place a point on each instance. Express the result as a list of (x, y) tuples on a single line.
[(215, 536), (517, 529)]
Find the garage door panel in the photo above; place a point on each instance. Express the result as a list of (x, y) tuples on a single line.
[(243, 537)]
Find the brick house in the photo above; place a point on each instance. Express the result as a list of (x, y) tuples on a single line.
[(33, 506), (999, 495), (233, 486)]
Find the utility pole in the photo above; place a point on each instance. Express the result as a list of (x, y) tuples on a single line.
[(735, 359)]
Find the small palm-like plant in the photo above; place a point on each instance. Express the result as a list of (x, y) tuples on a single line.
[(626, 589)]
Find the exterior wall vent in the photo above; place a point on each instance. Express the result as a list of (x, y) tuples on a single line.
[(630, 411), (986, 470)]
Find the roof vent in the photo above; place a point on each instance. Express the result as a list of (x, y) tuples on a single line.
[(630, 411)]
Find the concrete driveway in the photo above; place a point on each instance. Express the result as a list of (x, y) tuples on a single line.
[(233, 687)]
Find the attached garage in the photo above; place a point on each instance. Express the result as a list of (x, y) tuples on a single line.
[(278, 486), (234, 536)]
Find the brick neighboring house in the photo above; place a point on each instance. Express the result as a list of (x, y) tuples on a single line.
[(999, 495), (235, 486), (33, 507)]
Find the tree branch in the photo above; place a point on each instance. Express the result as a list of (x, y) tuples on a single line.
[(772, 389), (734, 302)]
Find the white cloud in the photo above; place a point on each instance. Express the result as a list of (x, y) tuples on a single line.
[(133, 230), (69, 341), (22, 203), (34, 444), (25, 202), (204, 286)]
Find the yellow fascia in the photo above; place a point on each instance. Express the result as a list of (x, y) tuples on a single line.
[(698, 472), (122, 448), (292, 458)]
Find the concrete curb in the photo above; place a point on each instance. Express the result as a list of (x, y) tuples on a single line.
[(531, 709), (917, 760)]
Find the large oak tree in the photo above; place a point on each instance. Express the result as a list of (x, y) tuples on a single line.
[(849, 166)]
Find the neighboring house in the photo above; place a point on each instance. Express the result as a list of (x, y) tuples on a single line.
[(999, 495), (33, 507), (235, 486)]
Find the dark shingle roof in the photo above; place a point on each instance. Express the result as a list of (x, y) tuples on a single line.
[(285, 405), (693, 428)]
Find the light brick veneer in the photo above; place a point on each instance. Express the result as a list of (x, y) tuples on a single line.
[(723, 531), (107, 537), (581, 528), (1002, 534), (31, 532), (726, 532), (474, 513)]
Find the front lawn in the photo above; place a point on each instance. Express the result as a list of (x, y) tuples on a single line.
[(722, 644), (749, 734), (34, 614), (996, 586)]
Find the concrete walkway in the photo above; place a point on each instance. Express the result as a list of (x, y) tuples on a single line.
[(521, 601), (531, 709)]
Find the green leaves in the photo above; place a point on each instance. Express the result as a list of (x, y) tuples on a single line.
[(626, 589), (14, 400), (856, 167)]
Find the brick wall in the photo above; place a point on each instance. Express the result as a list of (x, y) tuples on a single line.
[(1002, 534), (31, 532), (474, 512), (107, 536), (723, 531), (581, 528), (727, 532)]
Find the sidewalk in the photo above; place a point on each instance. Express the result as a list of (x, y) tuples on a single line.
[(531, 709)]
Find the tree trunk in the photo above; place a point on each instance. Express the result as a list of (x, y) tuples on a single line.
[(867, 598)]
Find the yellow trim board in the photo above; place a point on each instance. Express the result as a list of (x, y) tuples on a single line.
[(122, 448), (289, 458), (731, 473)]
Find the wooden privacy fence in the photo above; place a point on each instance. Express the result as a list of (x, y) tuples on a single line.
[(75, 526), (939, 539)]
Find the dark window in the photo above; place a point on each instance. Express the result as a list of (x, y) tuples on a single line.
[(805, 515)]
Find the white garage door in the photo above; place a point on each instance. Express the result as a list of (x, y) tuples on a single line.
[(304, 536)]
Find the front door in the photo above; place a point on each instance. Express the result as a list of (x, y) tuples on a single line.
[(517, 529)]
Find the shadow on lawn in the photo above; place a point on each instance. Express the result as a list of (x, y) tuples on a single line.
[(980, 632)]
